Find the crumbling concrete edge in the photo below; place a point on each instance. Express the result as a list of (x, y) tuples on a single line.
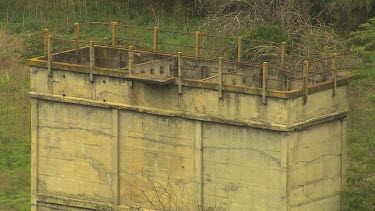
[(74, 203)]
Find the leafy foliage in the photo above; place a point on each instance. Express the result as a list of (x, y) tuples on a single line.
[(263, 41), (267, 32), (363, 41)]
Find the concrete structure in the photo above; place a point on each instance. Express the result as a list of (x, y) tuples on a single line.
[(121, 129)]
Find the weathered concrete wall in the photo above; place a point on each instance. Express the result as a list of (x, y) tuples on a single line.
[(117, 143), (75, 148), (243, 168), (77, 159), (317, 166), (157, 161)]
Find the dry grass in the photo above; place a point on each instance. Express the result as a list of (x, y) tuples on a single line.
[(14, 125)]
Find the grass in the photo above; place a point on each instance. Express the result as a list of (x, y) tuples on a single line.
[(361, 144), (14, 126), (15, 103)]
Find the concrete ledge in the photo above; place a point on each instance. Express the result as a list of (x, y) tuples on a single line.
[(72, 202), (300, 205), (194, 116), (67, 202)]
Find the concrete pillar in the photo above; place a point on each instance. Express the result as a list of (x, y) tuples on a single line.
[(115, 157), (34, 153), (199, 162)]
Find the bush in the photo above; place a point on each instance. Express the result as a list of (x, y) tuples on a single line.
[(258, 52), (267, 32)]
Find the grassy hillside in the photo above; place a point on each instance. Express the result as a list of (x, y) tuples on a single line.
[(361, 144), (14, 125), (20, 19)]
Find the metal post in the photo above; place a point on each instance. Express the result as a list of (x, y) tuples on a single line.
[(46, 37), (326, 63), (264, 84), (239, 49), (197, 44), (49, 55), (282, 64), (220, 77), (114, 33), (287, 81), (305, 80), (283, 53), (325, 56), (76, 36), (156, 36), (334, 72), (179, 72), (130, 57), (91, 61)]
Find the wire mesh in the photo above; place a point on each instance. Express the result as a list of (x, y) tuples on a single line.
[(174, 42)]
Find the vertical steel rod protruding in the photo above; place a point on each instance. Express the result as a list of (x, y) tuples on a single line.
[(49, 55), (326, 62), (325, 56), (220, 77), (114, 33), (197, 43), (179, 72), (282, 65), (239, 49), (92, 61), (156, 37), (334, 72), (130, 59), (305, 80), (76, 36), (283, 54), (264, 84), (46, 35)]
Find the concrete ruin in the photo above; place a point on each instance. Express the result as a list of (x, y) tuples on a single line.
[(125, 129)]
